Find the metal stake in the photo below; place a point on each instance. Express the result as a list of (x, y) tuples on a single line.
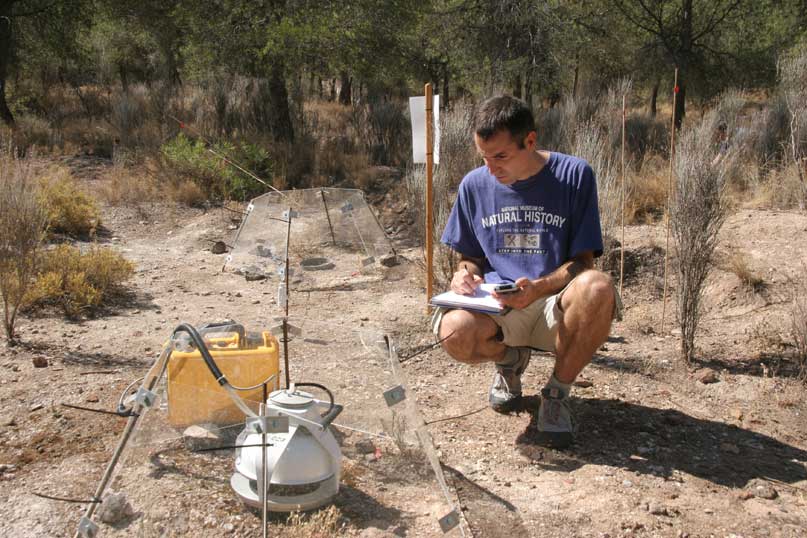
[(327, 214)]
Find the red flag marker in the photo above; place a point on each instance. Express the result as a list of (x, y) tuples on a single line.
[(182, 125), (676, 89)]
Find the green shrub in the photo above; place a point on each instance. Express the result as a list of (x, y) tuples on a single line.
[(71, 211), (79, 282), (207, 168)]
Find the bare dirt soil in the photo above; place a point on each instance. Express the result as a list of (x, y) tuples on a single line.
[(716, 449)]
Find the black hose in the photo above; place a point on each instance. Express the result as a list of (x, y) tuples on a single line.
[(206, 356), (321, 387)]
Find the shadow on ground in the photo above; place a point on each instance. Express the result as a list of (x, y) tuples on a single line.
[(487, 513), (667, 440)]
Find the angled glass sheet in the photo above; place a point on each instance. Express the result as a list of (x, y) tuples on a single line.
[(183, 469), (332, 234)]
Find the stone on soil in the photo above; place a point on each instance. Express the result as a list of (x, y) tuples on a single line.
[(200, 438), (115, 508)]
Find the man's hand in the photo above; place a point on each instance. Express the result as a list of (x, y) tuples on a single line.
[(531, 290), (464, 282)]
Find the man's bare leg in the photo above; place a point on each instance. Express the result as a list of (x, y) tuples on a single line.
[(473, 337), (588, 307)]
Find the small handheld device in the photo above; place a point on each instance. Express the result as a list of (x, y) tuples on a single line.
[(507, 288)]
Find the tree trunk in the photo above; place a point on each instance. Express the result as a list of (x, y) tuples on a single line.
[(332, 97), (282, 128), (5, 59), (345, 89), (444, 98), (528, 88), (576, 74), (654, 99), (680, 103), (517, 87)]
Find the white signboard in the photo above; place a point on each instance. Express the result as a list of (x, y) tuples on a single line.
[(417, 111)]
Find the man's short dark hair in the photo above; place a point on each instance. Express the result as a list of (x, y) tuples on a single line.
[(504, 113)]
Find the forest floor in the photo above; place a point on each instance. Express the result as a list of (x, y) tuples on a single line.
[(715, 449)]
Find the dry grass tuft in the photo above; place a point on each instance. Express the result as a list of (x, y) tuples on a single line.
[(737, 263), (324, 523), (798, 323), (124, 187), (646, 195)]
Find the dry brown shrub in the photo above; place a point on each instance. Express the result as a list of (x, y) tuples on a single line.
[(79, 282), (124, 187), (698, 210), (71, 210), (779, 189), (22, 228), (188, 193), (646, 194), (798, 322)]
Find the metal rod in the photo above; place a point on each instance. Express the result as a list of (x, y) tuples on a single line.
[(622, 249), (429, 203), (327, 214), (265, 488), (156, 373), (669, 202), (286, 317)]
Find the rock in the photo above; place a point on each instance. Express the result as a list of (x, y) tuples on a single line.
[(253, 273), (627, 483), (35, 407), (92, 398), (390, 260), (737, 414), (200, 438), (115, 509), (657, 509), (706, 376), (228, 527), (218, 248), (583, 383), (365, 446), (40, 362), (8, 421), (7, 468), (744, 495), (765, 491)]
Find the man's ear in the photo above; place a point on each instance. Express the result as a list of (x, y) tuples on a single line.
[(531, 141)]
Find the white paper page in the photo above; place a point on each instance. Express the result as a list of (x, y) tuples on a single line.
[(481, 299)]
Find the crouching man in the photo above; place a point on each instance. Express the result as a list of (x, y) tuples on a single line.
[(529, 217)]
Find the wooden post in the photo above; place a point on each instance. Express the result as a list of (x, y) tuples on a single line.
[(622, 248), (429, 203), (669, 202)]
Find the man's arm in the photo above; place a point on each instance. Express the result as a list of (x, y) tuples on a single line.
[(532, 290), (468, 276)]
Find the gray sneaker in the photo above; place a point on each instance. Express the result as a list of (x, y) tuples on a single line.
[(505, 393), (555, 428)]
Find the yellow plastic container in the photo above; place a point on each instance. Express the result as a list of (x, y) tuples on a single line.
[(195, 397)]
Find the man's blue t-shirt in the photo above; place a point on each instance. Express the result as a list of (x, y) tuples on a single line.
[(530, 228)]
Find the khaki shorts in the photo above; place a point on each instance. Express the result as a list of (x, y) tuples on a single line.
[(535, 326)]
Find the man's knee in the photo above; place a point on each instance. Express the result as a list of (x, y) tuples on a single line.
[(593, 289), (459, 331)]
